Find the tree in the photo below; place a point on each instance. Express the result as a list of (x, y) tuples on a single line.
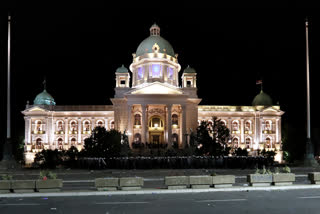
[(48, 158), (103, 143), (211, 139)]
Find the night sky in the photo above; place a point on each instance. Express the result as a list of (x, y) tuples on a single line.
[(78, 51)]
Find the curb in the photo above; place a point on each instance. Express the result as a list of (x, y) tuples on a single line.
[(158, 191)]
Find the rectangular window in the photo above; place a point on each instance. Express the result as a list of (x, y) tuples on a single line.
[(140, 73), (188, 83), (122, 82), (156, 71), (170, 73)]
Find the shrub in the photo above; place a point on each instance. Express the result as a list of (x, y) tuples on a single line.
[(6, 177), (44, 175), (286, 169), (241, 152), (268, 154)]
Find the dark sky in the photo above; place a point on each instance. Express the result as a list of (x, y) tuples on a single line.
[(78, 50)]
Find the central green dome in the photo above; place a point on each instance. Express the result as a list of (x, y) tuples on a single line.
[(154, 40), (262, 99), (44, 98)]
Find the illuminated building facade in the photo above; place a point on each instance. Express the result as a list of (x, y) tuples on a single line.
[(155, 109)]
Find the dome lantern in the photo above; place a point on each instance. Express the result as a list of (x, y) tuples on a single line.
[(155, 30)]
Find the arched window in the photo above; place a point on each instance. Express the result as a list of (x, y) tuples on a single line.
[(268, 143), (235, 125), (60, 144), (175, 119), (86, 125), (137, 119), (248, 125), (100, 123), (73, 126), (73, 141), (39, 143), (38, 125), (248, 142), (268, 125), (112, 125), (137, 138), (235, 142), (156, 122), (60, 125), (223, 122)]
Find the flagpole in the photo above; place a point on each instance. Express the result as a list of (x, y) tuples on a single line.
[(9, 82), (309, 157)]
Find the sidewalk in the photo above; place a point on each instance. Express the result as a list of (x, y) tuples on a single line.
[(158, 191), (82, 174)]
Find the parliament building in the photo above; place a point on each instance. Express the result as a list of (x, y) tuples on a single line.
[(152, 107)]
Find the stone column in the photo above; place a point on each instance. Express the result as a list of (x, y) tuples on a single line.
[(50, 131), (277, 130), (106, 124), (230, 125), (66, 130), (183, 127), (79, 130), (46, 129), (169, 134), (260, 128), (147, 126), (93, 124), (129, 125), (144, 124), (242, 130), (27, 132)]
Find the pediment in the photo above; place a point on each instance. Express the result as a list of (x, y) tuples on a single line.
[(156, 88), (270, 109), (35, 109)]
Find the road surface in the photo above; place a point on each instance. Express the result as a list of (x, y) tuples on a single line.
[(291, 201)]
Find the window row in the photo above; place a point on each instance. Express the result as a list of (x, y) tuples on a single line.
[(174, 120), (269, 143), (60, 128), (155, 71)]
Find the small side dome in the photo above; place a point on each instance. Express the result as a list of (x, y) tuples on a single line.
[(122, 69), (262, 99), (189, 70), (44, 98)]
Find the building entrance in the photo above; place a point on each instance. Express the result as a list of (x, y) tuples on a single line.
[(156, 130)]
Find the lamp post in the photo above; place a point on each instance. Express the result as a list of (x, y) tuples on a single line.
[(309, 156)]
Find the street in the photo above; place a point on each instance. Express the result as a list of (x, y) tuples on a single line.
[(291, 201)]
